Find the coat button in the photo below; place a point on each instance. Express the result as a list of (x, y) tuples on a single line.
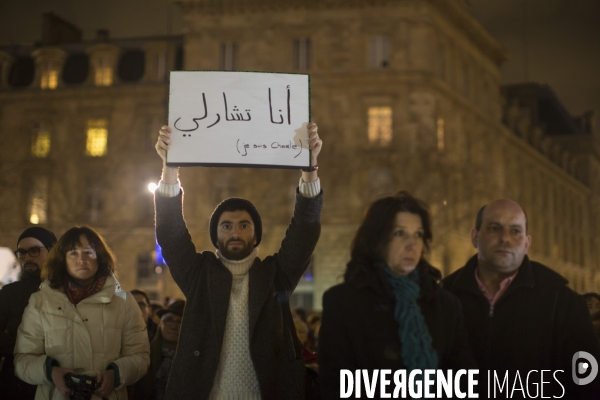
[(196, 353)]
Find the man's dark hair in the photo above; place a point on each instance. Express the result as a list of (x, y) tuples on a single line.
[(374, 233), (479, 219), (155, 307), (141, 293), (588, 296), (313, 318), (176, 308), (55, 268), (301, 313), (591, 295), (45, 236), (235, 204)]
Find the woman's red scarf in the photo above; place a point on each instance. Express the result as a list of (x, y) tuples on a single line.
[(75, 292)]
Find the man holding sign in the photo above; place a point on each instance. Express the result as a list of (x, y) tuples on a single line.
[(235, 342)]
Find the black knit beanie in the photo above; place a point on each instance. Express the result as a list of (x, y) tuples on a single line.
[(45, 236), (235, 204)]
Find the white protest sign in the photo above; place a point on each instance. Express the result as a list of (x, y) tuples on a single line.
[(237, 119)]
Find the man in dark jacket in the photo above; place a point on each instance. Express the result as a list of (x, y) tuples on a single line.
[(524, 323), (32, 249), (162, 350), (143, 301), (235, 342)]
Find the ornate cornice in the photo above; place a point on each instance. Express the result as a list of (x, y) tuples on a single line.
[(462, 18), (456, 11), (244, 6)]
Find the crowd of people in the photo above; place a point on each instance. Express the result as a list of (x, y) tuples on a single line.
[(71, 317), (68, 327)]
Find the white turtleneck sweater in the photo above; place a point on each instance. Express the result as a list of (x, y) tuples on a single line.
[(236, 378)]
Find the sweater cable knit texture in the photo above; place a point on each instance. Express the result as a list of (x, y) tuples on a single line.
[(236, 378)]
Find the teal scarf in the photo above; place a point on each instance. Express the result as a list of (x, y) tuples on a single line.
[(417, 349)]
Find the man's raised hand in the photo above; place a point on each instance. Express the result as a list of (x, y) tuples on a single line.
[(163, 142), (314, 142)]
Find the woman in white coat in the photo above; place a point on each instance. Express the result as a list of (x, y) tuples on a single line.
[(81, 322)]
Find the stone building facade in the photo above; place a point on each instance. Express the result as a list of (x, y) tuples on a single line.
[(406, 93), (80, 120)]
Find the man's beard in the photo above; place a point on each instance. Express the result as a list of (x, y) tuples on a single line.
[(237, 254), (27, 275)]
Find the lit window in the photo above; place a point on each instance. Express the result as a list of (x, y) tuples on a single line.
[(379, 52), (302, 54), (49, 76), (38, 201), (440, 134), (104, 72), (380, 125), (228, 56), (161, 66), (97, 135), (40, 146), (305, 291), (145, 267)]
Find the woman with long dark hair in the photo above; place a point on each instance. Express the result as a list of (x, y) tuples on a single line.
[(390, 312), (81, 322)]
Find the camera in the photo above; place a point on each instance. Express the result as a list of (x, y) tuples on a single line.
[(81, 386)]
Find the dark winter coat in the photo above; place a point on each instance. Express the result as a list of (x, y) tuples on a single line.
[(145, 388), (358, 331), (206, 283), (14, 297), (537, 324)]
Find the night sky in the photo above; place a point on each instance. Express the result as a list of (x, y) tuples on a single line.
[(554, 42)]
